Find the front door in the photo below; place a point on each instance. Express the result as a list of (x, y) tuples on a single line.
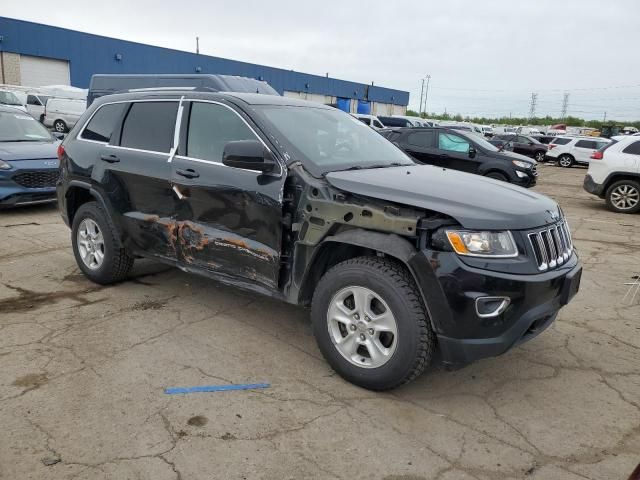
[(229, 219), (457, 153)]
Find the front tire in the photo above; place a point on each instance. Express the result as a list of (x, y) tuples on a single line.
[(623, 196), (60, 126), (370, 323), (565, 160), (96, 248), (497, 176)]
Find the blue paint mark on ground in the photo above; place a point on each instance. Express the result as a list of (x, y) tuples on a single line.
[(215, 388)]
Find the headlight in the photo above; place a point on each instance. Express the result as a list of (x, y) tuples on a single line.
[(4, 165), (483, 244), (521, 164)]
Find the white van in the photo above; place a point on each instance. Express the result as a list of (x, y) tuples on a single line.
[(370, 120), (63, 113), (10, 99)]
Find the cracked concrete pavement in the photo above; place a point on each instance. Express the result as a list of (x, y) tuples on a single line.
[(83, 369)]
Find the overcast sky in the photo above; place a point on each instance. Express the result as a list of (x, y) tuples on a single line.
[(483, 57)]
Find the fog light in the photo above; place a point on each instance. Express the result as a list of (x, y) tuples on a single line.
[(521, 174), (487, 307)]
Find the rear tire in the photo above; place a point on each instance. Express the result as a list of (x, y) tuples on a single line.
[(96, 248), (565, 160), (497, 176), (539, 156), (60, 126), (623, 196), (370, 323)]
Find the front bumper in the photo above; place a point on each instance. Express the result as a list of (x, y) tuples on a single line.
[(450, 288), (525, 178), (29, 182), (592, 187)]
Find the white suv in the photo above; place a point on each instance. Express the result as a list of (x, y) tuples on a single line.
[(569, 150), (614, 174)]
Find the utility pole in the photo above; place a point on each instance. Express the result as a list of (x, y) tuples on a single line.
[(565, 105), (197, 45), (604, 119), (532, 107), (421, 96), (426, 93)]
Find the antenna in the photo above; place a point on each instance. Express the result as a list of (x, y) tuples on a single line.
[(197, 45)]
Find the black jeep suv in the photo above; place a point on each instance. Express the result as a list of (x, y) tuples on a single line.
[(305, 203), (459, 150)]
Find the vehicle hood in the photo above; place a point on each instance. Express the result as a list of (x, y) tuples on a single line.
[(28, 150), (509, 155), (475, 202)]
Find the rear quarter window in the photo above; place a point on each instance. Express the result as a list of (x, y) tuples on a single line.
[(149, 126), (561, 141), (103, 123), (633, 149)]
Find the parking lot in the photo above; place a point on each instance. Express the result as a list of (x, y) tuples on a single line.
[(85, 368)]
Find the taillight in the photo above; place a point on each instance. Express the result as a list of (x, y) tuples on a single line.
[(551, 146), (60, 151), (597, 155)]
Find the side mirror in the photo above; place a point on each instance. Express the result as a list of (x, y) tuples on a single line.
[(248, 154), (530, 143), (472, 152), (58, 135)]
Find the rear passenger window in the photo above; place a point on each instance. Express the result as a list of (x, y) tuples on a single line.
[(633, 149), (101, 126), (421, 139), (150, 126), (586, 144), (211, 126)]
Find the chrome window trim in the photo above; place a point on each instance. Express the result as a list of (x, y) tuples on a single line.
[(176, 131), (202, 160), (84, 126), (184, 157)]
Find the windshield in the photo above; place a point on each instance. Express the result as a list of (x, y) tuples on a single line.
[(332, 140), (19, 127), (8, 98)]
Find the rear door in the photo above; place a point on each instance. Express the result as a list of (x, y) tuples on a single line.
[(230, 219), (583, 149), (631, 157), (134, 173), (421, 146)]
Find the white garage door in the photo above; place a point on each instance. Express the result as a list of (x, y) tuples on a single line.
[(39, 71)]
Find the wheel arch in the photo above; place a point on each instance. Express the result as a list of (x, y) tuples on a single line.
[(78, 193), (616, 176), (350, 244)]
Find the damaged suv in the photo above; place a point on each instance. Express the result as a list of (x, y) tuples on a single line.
[(402, 264)]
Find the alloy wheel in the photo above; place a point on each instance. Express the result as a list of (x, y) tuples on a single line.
[(91, 244), (625, 197), (362, 327)]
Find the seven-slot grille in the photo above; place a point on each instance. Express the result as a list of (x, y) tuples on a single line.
[(37, 179), (552, 246)]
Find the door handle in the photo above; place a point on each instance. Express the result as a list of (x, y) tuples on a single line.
[(188, 173), (109, 158)]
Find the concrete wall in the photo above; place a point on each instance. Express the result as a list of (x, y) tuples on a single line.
[(9, 68)]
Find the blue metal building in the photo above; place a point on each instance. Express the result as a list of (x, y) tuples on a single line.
[(37, 50)]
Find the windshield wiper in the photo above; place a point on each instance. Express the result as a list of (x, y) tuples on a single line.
[(382, 165)]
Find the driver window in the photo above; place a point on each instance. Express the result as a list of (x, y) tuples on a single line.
[(452, 143), (211, 126)]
